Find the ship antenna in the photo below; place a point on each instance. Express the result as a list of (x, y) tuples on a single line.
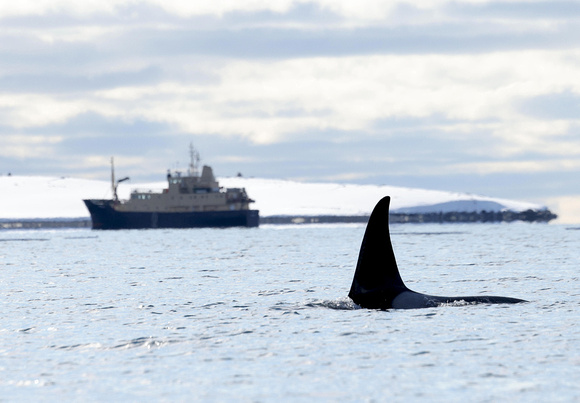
[(193, 161), (113, 187)]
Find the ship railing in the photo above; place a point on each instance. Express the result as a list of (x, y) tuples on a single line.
[(148, 191)]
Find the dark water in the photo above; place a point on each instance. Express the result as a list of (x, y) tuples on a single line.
[(262, 315)]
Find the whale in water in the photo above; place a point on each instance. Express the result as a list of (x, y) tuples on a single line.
[(377, 283)]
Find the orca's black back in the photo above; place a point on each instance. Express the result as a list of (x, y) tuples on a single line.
[(376, 279)]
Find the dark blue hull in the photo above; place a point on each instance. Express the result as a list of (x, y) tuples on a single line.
[(104, 216)]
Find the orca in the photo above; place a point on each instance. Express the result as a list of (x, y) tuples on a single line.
[(377, 283)]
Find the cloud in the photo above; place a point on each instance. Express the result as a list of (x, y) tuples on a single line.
[(290, 29), (288, 100), (413, 93), (295, 42), (363, 10), (516, 10), (529, 167), (54, 82), (553, 106)]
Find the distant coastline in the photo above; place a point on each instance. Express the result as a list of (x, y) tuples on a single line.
[(423, 218), (541, 216), (58, 202), (44, 223)]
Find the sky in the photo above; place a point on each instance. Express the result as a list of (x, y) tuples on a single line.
[(467, 95)]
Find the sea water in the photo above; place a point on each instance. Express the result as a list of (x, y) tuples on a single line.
[(262, 314)]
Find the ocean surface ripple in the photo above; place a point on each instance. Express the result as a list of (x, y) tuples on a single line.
[(263, 314)]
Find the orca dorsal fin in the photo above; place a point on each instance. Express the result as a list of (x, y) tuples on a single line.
[(376, 279)]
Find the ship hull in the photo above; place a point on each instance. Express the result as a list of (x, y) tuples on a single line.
[(104, 216)]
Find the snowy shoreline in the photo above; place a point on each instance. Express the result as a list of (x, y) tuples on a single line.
[(41, 198)]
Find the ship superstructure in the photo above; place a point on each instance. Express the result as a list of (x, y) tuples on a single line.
[(190, 200)]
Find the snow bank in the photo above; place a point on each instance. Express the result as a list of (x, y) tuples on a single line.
[(52, 197), (282, 197)]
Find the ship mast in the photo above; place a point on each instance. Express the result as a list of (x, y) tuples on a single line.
[(113, 187), (193, 161), (114, 184)]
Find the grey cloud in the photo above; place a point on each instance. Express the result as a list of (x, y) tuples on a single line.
[(90, 123), (564, 105), (265, 35), (142, 14), (93, 134), (324, 154), (396, 151), (393, 160), (400, 160), (516, 186), (125, 15), (90, 134), (59, 82), (309, 16), (532, 10), (285, 43), (24, 52), (393, 124), (415, 145), (109, 144), (306, 15)]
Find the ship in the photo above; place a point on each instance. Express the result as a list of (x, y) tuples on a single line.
[(191, 200)]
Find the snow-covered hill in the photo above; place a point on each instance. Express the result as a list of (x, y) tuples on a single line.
[(51, 197)]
